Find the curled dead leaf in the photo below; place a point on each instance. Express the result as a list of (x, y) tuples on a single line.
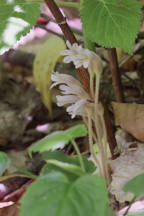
[(130, 117)]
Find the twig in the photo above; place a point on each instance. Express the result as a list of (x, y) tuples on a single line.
[(115, 75), (49, 30)]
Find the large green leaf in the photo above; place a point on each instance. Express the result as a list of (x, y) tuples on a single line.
[(58, 139), (29, 12), (4, 162), (111, 23), (135, 185), (54, 195)]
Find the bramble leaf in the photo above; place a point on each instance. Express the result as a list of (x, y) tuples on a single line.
[(111, 23), (27, 11)]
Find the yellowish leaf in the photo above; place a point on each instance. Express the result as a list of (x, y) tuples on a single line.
[(44, 64)]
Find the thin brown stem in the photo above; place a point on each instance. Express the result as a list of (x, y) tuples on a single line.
[(109, 128), (116, 79), (68, 34)]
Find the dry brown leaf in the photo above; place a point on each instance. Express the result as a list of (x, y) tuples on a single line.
[(128, 165), (131, 118)]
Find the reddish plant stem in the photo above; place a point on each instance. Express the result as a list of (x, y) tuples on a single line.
[(68, 34), (110, 132), (116, 79)]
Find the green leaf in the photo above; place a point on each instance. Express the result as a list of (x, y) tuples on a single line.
[(44, 64), (60, 156), (68, 167), (51, 142), (29, 12), (54, 195), (136, 213), (111, 23), (135, 185), (4, 162), (76, 131), (58, 139), (49, 168)]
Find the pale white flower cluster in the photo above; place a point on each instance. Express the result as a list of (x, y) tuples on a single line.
[(127, 166), (72, 90), (72, 93), (76, 54), (82, 57)]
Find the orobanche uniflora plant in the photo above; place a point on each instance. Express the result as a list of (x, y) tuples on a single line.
[(83, 104)]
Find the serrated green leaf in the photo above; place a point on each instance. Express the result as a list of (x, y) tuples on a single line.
[(135, 185), (29, 12), (44, 64), (60, 156), (54, 195), (4, 162), (58, 139), (111, 23)]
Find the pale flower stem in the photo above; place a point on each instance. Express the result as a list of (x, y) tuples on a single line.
[(92, 84), (90, 132), (105, 146), (97, 89), (100, 145), (79, 154), (98, 130), (93, 134)]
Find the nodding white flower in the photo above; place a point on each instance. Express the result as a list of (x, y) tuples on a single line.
[(95, 64), (73, 94), (76, 54), (82, 57)]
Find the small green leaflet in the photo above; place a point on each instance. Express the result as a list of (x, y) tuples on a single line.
[(58, 139), (55, 195), (136, 213), (4, 162), (135, 185), (61, 156), (68, 167), (28, 11), (111, 23)]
